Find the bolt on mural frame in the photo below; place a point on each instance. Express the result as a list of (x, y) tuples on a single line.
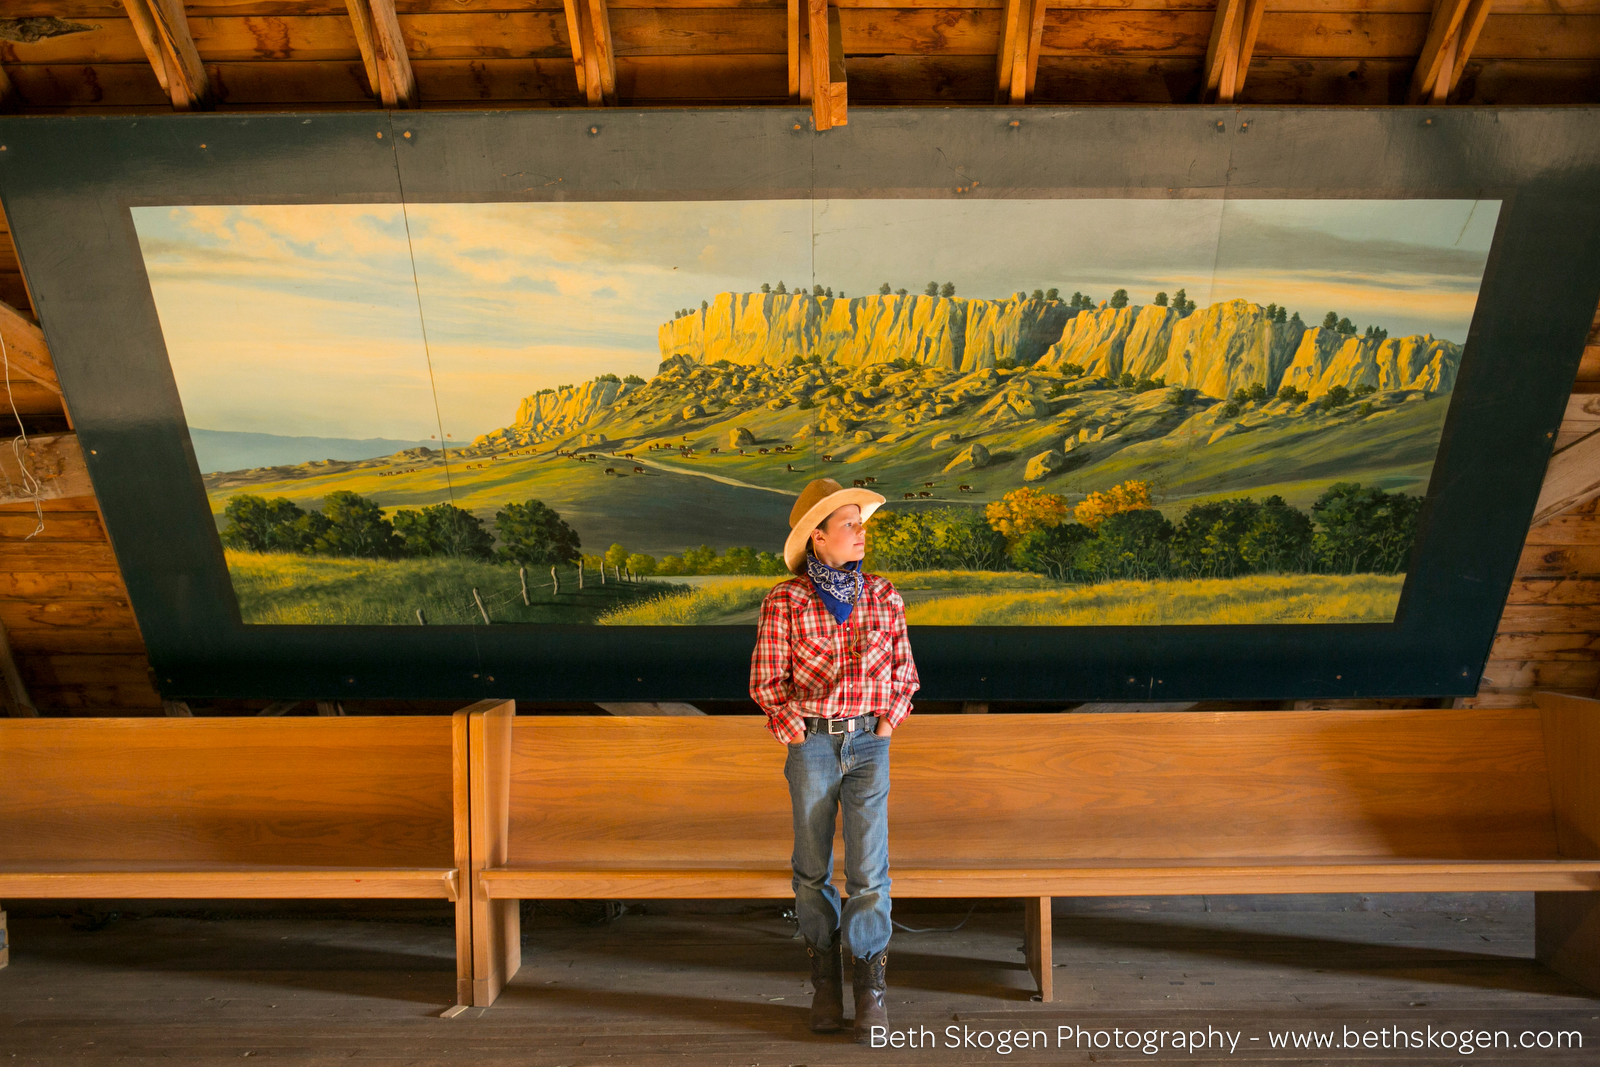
[(1493, 429)]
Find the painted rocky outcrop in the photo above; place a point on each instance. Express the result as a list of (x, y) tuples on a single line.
[(1326, 358), (1221, 348), (556, 412), (951, 333)]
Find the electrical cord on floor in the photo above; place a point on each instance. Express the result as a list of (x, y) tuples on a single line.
[(935, 929)]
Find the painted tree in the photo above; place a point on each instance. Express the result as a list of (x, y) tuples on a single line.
[(1022, 511), (533, 533), (1096, 508), (256, 524), (443, 530)]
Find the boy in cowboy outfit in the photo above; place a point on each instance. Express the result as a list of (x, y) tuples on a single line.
[(832, 669)]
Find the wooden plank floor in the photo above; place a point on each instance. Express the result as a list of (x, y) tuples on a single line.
[(705, 989)]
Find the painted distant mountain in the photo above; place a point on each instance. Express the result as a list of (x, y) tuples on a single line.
[(226, 450), (1215, 350), (961, 399)]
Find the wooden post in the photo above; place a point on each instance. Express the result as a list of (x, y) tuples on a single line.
[(602, 572), (555, 581), (481, 608), (522, 573), (496, 924), (1566, 926), (580, 572), (1037, 943)]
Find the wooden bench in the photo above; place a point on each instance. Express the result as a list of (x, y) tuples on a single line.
[(1039, 806), (359, 807)]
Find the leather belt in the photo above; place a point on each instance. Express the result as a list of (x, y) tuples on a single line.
[(818, 725)]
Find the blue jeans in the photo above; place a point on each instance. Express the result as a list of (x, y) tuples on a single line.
[(827, 773)]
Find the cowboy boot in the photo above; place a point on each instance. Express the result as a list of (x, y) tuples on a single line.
[(869, 981), (827, 984)]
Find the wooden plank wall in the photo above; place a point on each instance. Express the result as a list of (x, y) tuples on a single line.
[(1549, 634), (303, 53)]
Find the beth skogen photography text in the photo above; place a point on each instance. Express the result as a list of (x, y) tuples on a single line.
[(1082, 412)]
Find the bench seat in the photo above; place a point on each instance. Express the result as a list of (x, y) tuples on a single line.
[(1038, 806), (186, 881), (257, 808), (1007, 878)]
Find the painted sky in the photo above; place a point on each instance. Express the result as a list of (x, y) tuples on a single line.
[(419, 321)]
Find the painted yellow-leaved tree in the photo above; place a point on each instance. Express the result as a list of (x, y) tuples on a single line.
[(1098, 507), (1022, 511)]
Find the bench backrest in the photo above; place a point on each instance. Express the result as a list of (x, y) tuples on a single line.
[(347, 792), (1456, 784)]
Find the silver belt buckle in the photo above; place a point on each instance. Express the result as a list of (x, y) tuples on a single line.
[(842, 724)]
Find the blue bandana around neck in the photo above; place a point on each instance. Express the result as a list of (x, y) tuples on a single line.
[(839, 588)]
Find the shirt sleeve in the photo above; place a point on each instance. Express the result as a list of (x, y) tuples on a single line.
[(903, 674), (771, 680)]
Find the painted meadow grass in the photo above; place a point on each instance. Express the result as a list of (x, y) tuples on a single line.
[(288, 589), (1258, 598)]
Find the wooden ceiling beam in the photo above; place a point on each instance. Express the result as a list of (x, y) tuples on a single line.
[(383, 52), (163, 32), (1438, 51)]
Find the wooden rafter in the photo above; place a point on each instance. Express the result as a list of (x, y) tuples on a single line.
[(825, 52), (1233, 38), (25, 350), (1435, 73), (383, 52), (1035, 38), (163, 32), (1248, 31), (792, 24), (593, 57), (602, 48), (1017, 67), (1010, 29)]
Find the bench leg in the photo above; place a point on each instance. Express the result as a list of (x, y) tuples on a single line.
[(1566, 935), (1036, 911), (496, 946)]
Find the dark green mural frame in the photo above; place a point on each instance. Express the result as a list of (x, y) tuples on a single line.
[(68, 185)]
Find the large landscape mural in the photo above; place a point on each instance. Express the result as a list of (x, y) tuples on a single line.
[(1109, 412)]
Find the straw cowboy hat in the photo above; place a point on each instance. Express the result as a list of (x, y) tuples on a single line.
[(817, 501)]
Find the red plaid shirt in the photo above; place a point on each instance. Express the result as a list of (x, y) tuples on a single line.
[(806, 663)]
